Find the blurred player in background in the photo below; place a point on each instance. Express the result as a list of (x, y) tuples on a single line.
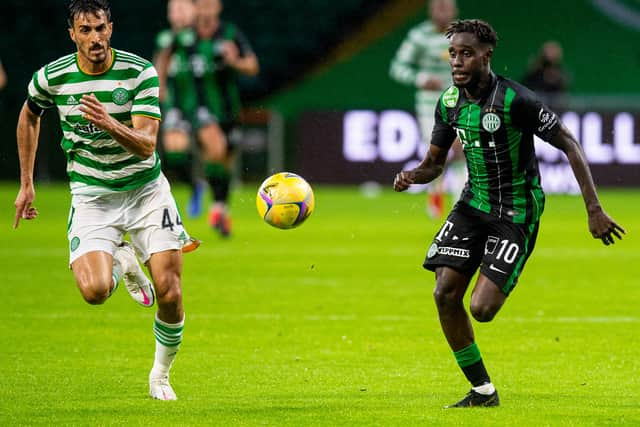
[(494, 225), (175, 80), (219, 52), (107, 101), (422, 61), (546, 75)]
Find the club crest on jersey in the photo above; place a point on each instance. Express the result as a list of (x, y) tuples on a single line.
[(491, 122), (75, 242), (450, 97), (433, 250), (120, 96)]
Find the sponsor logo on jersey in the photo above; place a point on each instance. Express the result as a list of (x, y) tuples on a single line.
[(444, 231), (491, 122), (71, 100), (450, 97), (89, 128), (546, 120), (120, 96)]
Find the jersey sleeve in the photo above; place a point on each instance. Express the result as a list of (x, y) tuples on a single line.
[(39, 95), (443, 133), (244, 47), (164, 39), (145, 99), (529, 114), (404, 64)]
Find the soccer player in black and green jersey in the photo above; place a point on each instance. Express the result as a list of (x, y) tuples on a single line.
[(217, 55), (176, 83), (224, 52), (494, 225)]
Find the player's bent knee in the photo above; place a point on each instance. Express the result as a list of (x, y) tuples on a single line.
[(95, 290), (95, 294), (168, 290), (483, 312), (446, 296), (95, 298)]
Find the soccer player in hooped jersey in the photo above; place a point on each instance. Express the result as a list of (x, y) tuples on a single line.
[(494, 225), (421, 61), (107, 101)]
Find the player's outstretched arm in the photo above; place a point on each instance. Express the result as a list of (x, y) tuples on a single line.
[(601, 225), (161, 61), (139, 140), (246, 64), (429, 169), (27, 139)]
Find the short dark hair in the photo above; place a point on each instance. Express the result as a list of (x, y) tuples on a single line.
[(77, 7), (482, 30)]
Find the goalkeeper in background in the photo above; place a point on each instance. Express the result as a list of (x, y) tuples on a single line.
[(423, 61)]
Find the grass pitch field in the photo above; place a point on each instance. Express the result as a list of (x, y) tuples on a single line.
[(329, 324)]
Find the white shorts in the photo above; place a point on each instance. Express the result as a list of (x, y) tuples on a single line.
[(149, 214)]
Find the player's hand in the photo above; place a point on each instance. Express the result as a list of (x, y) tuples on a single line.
[(403, 180), (24, 210), (230, 52), (94, 111), (603, 227), (433, 84)]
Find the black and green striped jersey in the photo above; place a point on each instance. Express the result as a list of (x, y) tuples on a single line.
[(214, 85), (179, 87), (97, 163), (496, 132)]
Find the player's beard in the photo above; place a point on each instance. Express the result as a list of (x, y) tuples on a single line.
[(99, 56), (472, 82)]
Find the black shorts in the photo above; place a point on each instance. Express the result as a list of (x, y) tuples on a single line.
[(204, 117), (470, 239)]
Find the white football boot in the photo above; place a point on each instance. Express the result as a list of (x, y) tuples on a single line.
[(159, 388), (139, 286)]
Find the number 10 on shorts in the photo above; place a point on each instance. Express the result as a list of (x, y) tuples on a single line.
[(505, 249)]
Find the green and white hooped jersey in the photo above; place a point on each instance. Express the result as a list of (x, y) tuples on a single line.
[(424, 53), (96, 163)]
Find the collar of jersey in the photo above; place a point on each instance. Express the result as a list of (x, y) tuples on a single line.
[(113, 59), (487, 91)]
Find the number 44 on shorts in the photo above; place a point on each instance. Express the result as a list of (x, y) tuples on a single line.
[(166, 220), (189, 244)]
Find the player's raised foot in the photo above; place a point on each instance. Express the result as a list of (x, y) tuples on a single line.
[(139, 286), (473, 398), (194, 208), (159, 388), (220, 220)]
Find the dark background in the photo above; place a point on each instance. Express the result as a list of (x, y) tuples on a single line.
[(333, 56)]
